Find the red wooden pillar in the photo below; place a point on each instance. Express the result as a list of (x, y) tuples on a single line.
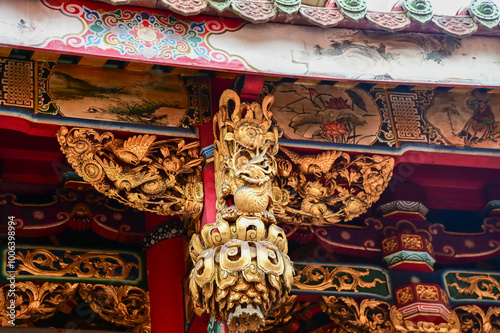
[(164, 244)]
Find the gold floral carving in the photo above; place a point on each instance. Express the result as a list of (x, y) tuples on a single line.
[(126, 306), (242, 271), (329, 187), (42, 262), (323, 278), (34, 301), (404, 295), (369, 315), (473, 319), (427, 293), (163, 177), (390, 244), (481, 285), (412, 242), (407, 326)]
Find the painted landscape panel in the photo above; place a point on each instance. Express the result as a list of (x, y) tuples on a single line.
[(116, 95)]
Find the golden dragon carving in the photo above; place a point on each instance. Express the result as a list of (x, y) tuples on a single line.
[(242, 271)]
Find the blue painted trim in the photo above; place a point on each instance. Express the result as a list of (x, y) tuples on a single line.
[(399, 256), (207, 152)]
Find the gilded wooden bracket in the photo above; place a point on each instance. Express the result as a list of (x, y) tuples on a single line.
[(163, 177), (329, 187), (33, 301), (242, 271), (374, 316), (125, 306)]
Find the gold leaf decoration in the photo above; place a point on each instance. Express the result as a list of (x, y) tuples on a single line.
[(370, 315), (329, 187), (323, 278), (483, 286), (163, 177), (242, 271), (126, 306), (108, 265), (34, 302)]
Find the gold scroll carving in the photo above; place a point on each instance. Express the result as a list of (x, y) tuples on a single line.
[(100, 264), (126, 306), (163, 177), (327, 188), (483, 286), (324, 278), (242, 271), (369, 315), (34, 302), (473, 319)]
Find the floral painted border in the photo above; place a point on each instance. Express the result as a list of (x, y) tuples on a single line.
[(145, 34)]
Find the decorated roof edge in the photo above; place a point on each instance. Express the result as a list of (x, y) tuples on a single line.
[(481, 17)]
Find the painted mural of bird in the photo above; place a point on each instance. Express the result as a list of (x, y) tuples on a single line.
[(313, 164), (356, 100), (134, 150)]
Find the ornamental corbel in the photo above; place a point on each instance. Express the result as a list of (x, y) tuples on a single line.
[(126, 306), (162, 177), (329, 187), (242, 271)]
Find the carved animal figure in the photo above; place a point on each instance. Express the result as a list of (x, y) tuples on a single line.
[(313, 164), (125, 180), (134, 150)]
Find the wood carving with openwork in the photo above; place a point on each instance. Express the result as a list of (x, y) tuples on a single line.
[(125, 306), (242, 271), (329, 187), (163, 177)]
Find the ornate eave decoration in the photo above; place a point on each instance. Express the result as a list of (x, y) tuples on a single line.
[(355, 10), (419, 10), (485, 12), (242, 271), (162, 177), (389, 21), (325, 17), (328, 188)]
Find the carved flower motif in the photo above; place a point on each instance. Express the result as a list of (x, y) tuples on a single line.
[(249, 135), (334, 128)]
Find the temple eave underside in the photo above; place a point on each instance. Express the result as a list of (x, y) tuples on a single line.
[(231, 166)]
